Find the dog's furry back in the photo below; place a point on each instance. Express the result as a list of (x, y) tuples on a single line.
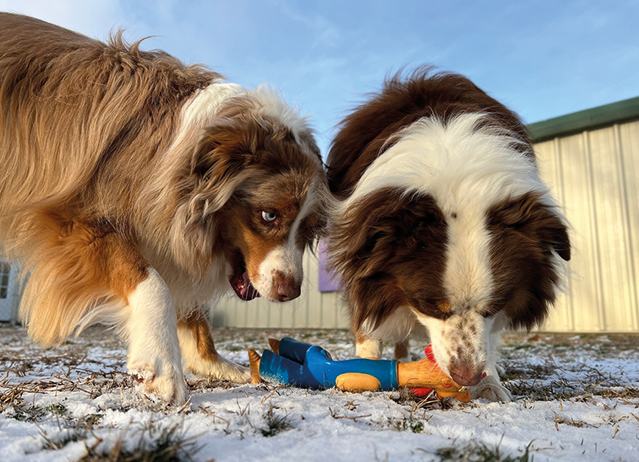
[(72, 109), (51, 80)]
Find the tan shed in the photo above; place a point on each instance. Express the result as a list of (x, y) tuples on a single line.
[(590, 160)]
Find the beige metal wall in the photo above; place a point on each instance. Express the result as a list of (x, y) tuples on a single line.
[(594, 175)]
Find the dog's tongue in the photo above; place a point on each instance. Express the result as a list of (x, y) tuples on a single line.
[(245, 289)]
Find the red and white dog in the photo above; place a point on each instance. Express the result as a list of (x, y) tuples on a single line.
[(135, 188), (444, 227)]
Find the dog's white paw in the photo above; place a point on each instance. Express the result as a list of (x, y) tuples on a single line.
[(222, 369), (490, 388), (159, 381)]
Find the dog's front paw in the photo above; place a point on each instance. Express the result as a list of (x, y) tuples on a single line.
[(220, 369), (160, 381), (490, 388)]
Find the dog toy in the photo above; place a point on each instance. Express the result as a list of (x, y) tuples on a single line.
[(301, 364)]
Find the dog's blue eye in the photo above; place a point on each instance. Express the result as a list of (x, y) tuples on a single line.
[(269, 217)]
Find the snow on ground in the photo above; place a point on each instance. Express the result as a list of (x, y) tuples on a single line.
[(576, 400)]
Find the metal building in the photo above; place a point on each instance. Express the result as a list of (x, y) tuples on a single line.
[(590, 160), (9, 292)]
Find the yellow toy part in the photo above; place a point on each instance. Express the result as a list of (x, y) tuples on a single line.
[(254, 366), (357, 382), (463, 395)]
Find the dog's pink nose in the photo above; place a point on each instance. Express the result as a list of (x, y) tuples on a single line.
[(287, 292), (464, 376)]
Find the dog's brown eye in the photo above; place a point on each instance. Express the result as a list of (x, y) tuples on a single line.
[(269, 217)]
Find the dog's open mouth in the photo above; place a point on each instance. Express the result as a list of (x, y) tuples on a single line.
[(240, 280)]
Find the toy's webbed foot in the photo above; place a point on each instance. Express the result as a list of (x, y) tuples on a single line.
[(357, 382), (275, 345), (254, 365), (461, 395)]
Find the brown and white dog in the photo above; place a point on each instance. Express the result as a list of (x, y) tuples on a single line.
[(444, 227), (135, 188)]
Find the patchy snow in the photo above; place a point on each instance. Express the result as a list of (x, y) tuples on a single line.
[(576, 400)]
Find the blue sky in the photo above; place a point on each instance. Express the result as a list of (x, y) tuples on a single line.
[(541, 58)]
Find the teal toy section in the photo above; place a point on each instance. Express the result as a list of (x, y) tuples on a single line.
[(310, 366)]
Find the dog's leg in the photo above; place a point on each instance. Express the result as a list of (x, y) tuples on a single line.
[(200, 355), (366, 347), (490, 387), (88, 272), (402, 351), (151, 330)]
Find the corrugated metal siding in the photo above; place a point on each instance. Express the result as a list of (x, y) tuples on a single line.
[(595, 177), (9, 304)]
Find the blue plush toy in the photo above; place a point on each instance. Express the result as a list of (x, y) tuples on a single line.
[(304, 365)]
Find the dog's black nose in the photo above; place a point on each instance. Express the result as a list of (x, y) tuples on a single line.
[(287, 292)]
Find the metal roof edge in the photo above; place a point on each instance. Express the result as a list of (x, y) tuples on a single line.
[(607, 114)]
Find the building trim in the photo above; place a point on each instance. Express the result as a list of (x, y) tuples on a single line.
[(609, 114)]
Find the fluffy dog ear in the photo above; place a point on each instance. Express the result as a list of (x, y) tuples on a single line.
[(528, 214), (219, 164), (555, 233), (375, 231)]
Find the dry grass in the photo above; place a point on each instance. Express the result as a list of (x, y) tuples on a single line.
[(152, 444), (476, 451), (275, 423)]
